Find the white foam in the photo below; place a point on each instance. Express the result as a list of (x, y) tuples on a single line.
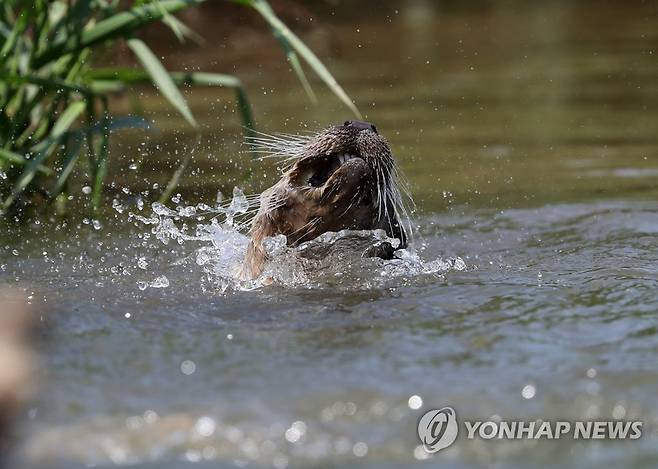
[(218, 240)]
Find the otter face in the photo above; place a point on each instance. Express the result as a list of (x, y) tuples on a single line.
[(343, 177), (330, 149)]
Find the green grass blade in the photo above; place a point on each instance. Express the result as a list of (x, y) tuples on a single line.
[(75, 17), (77, 138), (180, 29), (245, 112), (52, 84), (120, 74), (107, 86), (175, 179), (101, 161), (293, 59), (65, 121), (90, 136), (15, 158), (161, 79), (219, 79), (115, 26), (43, 148), (302, 49), (62, 125), (207, 79), (299, 71), (134, 75), (117, 78), (70, 159), (16, 32), (115, 123)]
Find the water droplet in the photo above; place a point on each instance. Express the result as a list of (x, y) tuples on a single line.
[(188, 367), (420, 453), (160, 282), (528, 391), (117, 206), (459, 264), (360, 449), (619, 411), (205, 426), (150, 417), (295, 432), (415, 402)]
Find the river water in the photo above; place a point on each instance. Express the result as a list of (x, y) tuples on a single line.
[(528, 135)]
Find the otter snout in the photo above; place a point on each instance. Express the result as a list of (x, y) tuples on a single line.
[(360, 125)]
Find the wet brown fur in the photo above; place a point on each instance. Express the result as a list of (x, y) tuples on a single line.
[(348, 199)]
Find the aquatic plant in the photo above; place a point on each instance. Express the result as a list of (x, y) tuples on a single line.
[(54, 99)]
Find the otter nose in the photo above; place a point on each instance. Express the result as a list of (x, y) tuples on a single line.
[(360, 125)]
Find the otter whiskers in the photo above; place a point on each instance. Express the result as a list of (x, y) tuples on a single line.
[(343, 177)]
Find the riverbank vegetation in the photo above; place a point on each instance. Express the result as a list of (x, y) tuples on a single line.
[(55, 119)]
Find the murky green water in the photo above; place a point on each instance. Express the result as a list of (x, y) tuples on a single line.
[(528, 135)]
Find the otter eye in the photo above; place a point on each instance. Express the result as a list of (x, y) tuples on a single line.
[(346, 123)]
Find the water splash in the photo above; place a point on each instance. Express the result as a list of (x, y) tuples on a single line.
[(219, 239), (159, 282)]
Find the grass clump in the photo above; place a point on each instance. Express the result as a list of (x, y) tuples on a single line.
[(54, 112)]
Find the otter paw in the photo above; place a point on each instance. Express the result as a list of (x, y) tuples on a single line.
[(383, 250)]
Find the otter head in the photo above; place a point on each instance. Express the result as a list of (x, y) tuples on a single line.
[(343, 177)]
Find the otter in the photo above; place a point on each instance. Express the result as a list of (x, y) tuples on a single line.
[(343, 177)]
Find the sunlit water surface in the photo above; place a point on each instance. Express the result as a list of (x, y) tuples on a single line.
[(528, 136)]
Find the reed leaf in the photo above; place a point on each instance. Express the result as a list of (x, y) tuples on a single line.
[(15, 158), (294, 62), (42, 149), (48, 79), (52, 84), (180, 29), (175, 178), (161, 79), (70, 159), (10, 42), (62, 125), (118, 25), (117, 78), (101, 161), (262, 7)]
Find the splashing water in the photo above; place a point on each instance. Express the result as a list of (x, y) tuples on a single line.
[(160, 282), (334, 258)]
